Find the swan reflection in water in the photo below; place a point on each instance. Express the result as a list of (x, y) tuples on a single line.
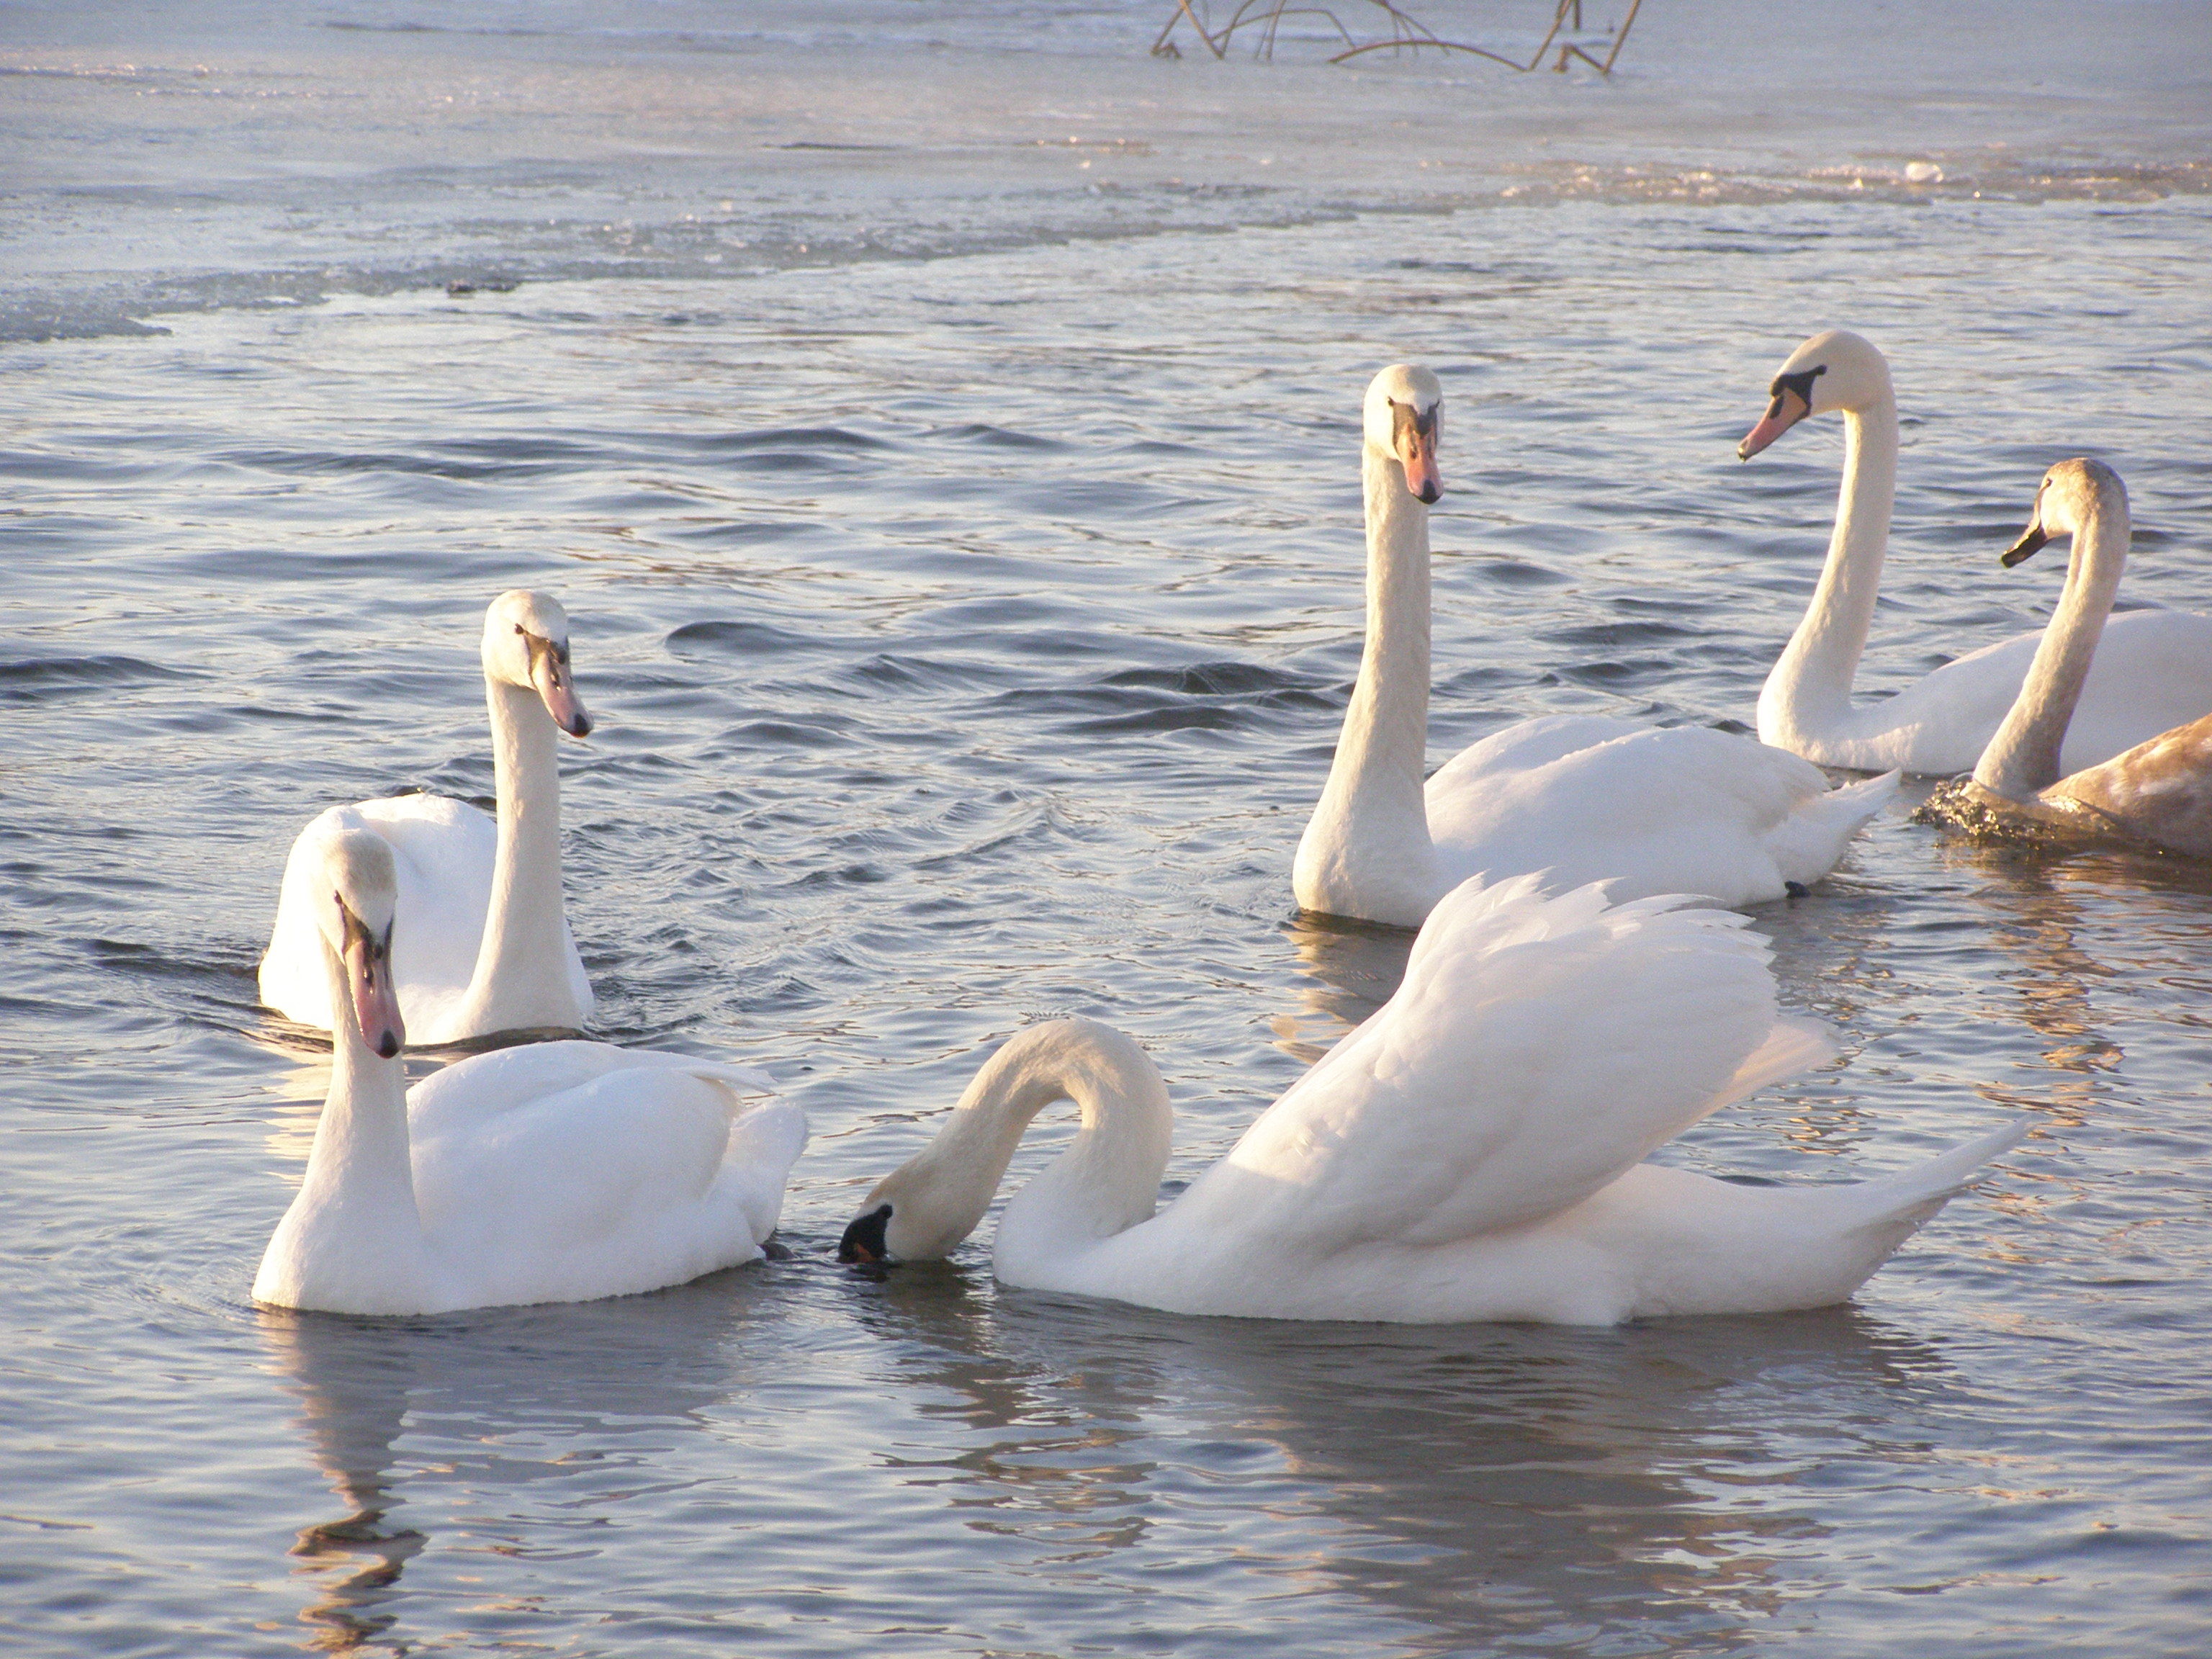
[(1350, 970), (1433, 1488), (511, 1408), (1074, 1469)]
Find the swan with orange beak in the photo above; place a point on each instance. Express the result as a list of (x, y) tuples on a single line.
[(544, 1172), (1573, 797), (483, 946)]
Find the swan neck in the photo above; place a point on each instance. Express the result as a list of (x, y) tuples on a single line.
[(1108, 1180), (1366, 851), (361, 1160), (1383, 751), (521, 976), (2022, 760), (1809, 691)]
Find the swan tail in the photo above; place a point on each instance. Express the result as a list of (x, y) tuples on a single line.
[(1704, 1246), (740, 1080), (1807, 844), (1880, 1215), (1902, 1202), (764, 1143), (1793, 1046)]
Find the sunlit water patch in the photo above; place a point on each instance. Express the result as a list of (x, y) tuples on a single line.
[(967, 637)]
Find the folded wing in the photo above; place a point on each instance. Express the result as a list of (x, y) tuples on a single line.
[(1538, 1048)]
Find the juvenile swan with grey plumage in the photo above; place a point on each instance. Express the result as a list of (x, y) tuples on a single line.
[(2154, 670), (1581, 797), (484, 942), (2159, 793), (552, 1172), (1471, 1153)]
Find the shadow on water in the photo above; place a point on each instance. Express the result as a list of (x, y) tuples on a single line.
[(1527, 1487)]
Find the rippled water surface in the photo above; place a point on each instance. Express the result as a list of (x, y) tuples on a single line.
[(968, 625)]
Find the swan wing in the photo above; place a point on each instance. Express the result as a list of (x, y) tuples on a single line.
[(1524, 744), (470, 1093), (1538, 1048), (2153, 671), (566, 1170), (1654, 809)]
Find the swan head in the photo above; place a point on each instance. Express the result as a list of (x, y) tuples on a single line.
[(927, 1206), (358, 893), (1835, 369), (2071, 495), (525, 645), (1403, 416), (911, 1217)]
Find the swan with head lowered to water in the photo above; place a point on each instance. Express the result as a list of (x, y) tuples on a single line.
[(1582, 797), (484, 942), (552, 1172), (1470, 1152), (2153, 671), (2158, 793)]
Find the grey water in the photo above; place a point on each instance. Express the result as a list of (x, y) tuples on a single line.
[(941, 422)]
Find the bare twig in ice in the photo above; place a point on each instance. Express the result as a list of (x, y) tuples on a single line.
[(1264, 19)]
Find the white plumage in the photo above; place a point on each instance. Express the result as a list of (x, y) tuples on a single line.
[(444, 851), (552, 1172), (1654, 809), (1582, 797), (483, 944), (2153, 671), (1470, 1152)]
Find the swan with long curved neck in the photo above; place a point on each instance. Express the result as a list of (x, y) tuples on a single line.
[(551, 1172), (1583, 797), (1473, 1151), (2154, 670), (2160, 792), (485, 942)]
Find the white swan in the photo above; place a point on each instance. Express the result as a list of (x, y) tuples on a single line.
[(553, 1172), (1585, 797), (1470, 1152), (2153, 672), (484, 945), (2159, 793)]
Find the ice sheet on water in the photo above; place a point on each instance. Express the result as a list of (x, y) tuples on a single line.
[(189, 158)]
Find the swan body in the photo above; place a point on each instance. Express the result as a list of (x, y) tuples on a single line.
[(2159, 793), (2154, 670), (484, 945), (1586, 796), (552, 1172), (1471, 1153)]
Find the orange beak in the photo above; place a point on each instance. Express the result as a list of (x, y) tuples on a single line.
[(1784, 412), (549, 671), (1417, 453), (375, 997)]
